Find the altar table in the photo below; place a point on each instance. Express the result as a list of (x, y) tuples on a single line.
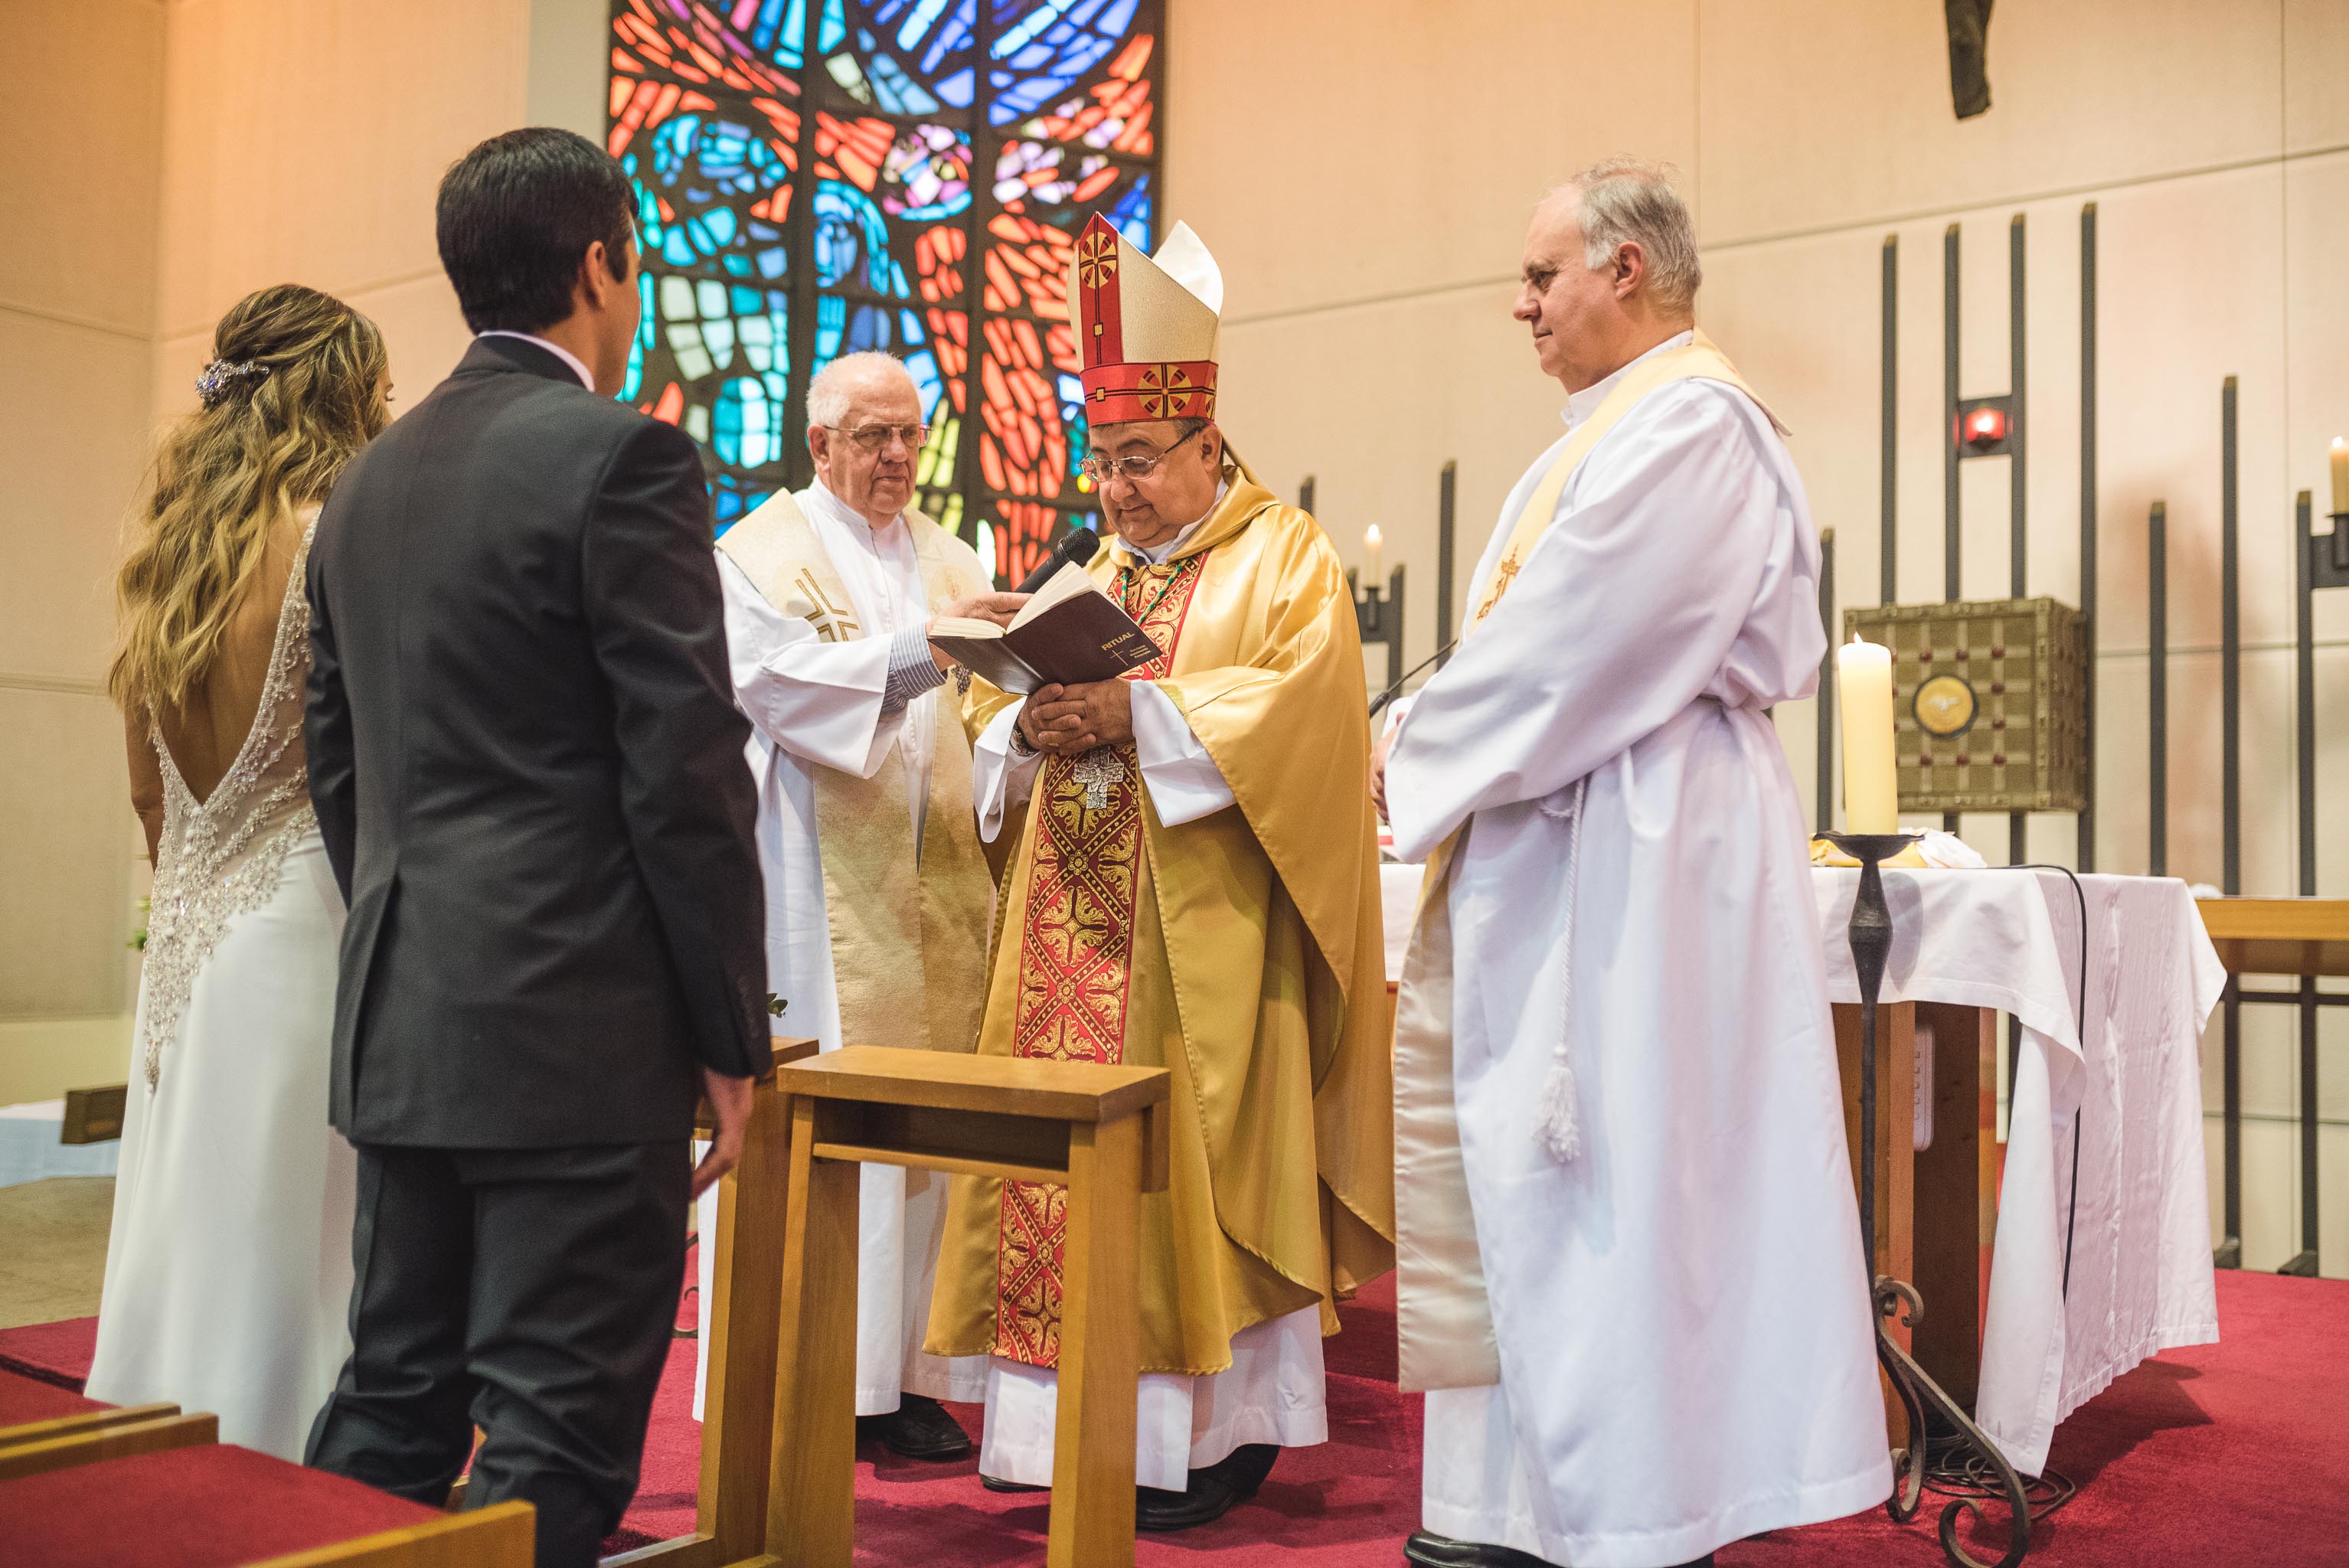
[(2138, 1231)]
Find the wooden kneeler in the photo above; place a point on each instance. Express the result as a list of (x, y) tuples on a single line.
[(1101, 1131), (737, 1427)]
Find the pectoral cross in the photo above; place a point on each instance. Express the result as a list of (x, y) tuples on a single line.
[(1098, 770)]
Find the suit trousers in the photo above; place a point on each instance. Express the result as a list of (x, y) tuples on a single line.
[(531, 1293)]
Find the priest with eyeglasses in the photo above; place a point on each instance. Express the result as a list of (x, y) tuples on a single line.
[(1192, 884), (878, 894)]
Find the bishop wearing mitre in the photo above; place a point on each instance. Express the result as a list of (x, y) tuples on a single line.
[(878, 894), (1192, 884), (1633, 1281)]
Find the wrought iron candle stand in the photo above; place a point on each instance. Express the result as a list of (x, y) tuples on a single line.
[(1379, 617), (1929, 1406)]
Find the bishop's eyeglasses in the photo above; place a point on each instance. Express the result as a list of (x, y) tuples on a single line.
[(874, 437), (1099, 469)]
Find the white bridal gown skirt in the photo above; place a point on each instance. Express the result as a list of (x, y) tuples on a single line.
[(228, 1274)]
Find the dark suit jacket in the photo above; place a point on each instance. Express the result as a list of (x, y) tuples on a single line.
[(528, 772)]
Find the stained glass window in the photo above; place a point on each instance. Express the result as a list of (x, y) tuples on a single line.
[(816, 177)]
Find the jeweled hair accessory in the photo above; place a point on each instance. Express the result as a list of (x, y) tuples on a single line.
[(221, 375)]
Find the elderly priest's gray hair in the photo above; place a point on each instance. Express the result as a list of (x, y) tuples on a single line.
[(1632, 199), (828, 393)]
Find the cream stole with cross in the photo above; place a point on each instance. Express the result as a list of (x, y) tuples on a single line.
[(1443, 1321), (908, 942)]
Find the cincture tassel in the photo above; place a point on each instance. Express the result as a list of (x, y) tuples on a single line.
[(1557, 1117)]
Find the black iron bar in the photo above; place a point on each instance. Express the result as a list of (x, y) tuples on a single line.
[(2229, 1253), (2324, 998), (2304, 1262), (1951, 585), (2156, 683), (1305, 495), (1887, 573), (1444, 507), (2018, 546), (1825, 791), (2084, 828)]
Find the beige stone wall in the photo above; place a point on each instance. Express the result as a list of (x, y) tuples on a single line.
[(1364, 168), (82, 123), (166, 158)]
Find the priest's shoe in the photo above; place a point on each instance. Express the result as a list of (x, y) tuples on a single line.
[(1212, 1494), (1427, 1549), (918, 1429)]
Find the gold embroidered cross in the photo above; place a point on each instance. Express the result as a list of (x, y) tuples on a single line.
[(1098, 770), (1501, 578)]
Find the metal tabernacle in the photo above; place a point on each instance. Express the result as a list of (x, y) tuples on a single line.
[(1930, 1408)]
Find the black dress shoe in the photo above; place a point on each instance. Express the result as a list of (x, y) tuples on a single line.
[(992, 1484), (1427, 1550), (918, 1429), (1212, 1494)]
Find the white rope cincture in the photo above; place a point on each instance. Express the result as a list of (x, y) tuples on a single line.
[(1557, 1117)]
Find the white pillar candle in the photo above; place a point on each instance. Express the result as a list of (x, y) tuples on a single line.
[(1871, 797), (1370, 555), (2340, 474)]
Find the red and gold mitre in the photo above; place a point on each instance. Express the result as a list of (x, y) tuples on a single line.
[(1146, 327)]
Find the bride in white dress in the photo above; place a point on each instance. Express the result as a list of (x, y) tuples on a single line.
[(228, 1272)]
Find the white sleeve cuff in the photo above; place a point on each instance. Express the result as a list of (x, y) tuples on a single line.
[(1183, 781), (1001, 777)]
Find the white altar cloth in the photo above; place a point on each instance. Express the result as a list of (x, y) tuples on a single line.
[(2140, 1279)]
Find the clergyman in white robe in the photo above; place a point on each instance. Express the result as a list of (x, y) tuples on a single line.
[(1273, 1392), (1679, 1352), (813, 703)]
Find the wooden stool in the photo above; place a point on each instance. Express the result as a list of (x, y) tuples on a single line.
[(1100, 1131)]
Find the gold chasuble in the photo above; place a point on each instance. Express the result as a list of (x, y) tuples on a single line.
[(1242, 951), (908, 939)]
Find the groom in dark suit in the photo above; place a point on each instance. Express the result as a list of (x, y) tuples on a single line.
[(528, 769)]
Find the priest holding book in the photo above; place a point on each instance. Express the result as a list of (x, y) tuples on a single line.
[(1192, 884), (878, 894)]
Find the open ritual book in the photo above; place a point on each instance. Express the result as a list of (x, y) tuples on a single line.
[(1067, 633)]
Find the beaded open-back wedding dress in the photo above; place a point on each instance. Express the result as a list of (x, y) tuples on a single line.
[(228, 1274)]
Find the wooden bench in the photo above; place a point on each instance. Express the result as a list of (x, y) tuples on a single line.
[(1099, 1130), (213, 1505), (46, 1427)]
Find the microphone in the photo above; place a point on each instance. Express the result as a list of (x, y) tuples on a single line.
[(1077, 546), (1379, 705)]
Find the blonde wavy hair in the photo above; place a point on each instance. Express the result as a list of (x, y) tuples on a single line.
[(305, 393)]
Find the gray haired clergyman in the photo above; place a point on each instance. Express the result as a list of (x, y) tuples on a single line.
[(1616, 877), (1631, 201), (835, 384)]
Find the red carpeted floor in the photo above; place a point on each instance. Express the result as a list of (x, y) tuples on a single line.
[(2225, 1454)]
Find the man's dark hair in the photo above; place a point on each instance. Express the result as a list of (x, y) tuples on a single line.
[(515, 218)]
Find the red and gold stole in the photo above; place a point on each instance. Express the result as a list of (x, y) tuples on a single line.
[(1076, 959)]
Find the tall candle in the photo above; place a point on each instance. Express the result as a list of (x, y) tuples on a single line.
[(1871, 799), (1370, 544), (2340, 474)]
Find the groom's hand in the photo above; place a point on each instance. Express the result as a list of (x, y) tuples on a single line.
[(730, 1098)]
